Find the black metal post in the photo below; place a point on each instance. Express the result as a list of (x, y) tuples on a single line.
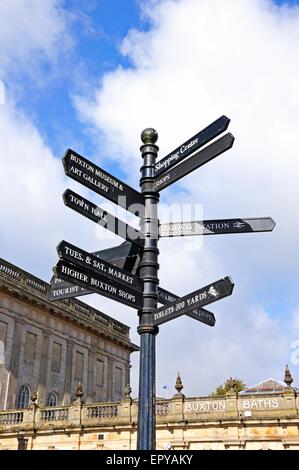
[(148, 272)]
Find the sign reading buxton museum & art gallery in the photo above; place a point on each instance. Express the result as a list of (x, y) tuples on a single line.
[(216, 227), (95, 178), (193, 144), (204, 296)]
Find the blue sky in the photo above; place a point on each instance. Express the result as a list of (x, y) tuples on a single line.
[(91, 75)]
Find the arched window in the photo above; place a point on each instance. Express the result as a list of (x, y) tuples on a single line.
[(52, 399), (23, 397)]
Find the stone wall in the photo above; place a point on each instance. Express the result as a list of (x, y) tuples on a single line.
[(182, 423)]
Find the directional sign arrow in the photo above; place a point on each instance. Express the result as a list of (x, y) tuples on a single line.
[(193, 144), (199, 314), (98, 266), (189, 303), (90, 175), (97, 283), (101, 217), (216, 227), (195, 161), (125, 256)]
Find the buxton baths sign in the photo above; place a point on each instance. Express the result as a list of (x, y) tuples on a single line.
[(218, 406)]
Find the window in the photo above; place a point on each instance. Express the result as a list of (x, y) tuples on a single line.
[(118, 380), (79, 366), (22, 443), (99, 373), (56, 357), (3, 331), (23, 397), (30, 346), (52, 399)]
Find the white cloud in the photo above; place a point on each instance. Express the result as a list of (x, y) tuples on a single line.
[(33, 218), (31, 30), (199, 60)]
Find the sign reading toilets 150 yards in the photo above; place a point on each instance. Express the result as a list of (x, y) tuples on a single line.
[(193, 144), (204, 296), (195, 161), (216, 227), (98, 283), (200, 314), (93, 177)]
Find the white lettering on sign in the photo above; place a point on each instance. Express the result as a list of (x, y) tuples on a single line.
[(161, 181), (204, 406), (196, 298), (98, 173), (119, 275), (217, 226), (260, 403), (74, 274), (173, 157)]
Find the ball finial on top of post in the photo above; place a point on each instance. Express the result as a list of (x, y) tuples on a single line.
[(149, 136)]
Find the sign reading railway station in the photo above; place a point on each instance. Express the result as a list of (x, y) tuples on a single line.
[(129, 273), (216, 227)]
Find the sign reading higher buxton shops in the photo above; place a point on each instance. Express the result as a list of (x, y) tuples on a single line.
[(128, 274)]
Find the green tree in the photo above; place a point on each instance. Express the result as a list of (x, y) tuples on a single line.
[(236, 385)]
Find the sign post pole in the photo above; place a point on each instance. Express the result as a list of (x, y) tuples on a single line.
[(148, 272)]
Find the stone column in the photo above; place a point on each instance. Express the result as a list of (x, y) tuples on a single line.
[(14, 365), (90, 375), (127, 375), (45, 364), (110, 380), (68, 373)]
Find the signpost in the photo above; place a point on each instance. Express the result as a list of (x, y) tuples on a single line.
[(216, 227), (129, 273)]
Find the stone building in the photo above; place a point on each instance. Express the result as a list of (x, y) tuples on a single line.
[(49, 348), (255, 420)]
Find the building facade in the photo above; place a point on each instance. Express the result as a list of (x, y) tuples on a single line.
[(48, 348), (251, 421)]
